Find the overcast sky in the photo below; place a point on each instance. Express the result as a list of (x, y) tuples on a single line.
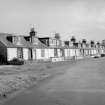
[(81, 18)]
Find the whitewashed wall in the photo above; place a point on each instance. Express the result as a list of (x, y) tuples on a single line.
[(59, 53), (38, 53), (46, 54), (95, 52), (92, 51), (34, 54), (71, 52), (85, 51), (77, 52), (51, 52), (89, 52), (25, 53), (102, 51), (65, 52), (11, 53)]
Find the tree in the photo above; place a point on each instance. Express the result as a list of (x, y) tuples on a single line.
[(73, 39), (57, 36)]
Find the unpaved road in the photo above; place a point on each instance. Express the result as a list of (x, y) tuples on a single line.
[(81, 84)]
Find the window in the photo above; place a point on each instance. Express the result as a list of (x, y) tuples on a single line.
[(42, 52), (62, 52), (20, 53), (35, 41), (55, 52), (57, 42), (9, 38), (17, 40), (14, 39), (27, 38), (52, 42)]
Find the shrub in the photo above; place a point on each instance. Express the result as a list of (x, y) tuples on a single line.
[(102, 55), (16, 61)]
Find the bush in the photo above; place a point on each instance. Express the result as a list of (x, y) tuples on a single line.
[(16, 61), (102, 55)]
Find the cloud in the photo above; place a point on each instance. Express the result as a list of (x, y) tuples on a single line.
[(63, 16)]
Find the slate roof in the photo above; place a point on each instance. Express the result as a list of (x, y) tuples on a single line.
[(27, 44), (4, 40), (40, 45), (24, 43)]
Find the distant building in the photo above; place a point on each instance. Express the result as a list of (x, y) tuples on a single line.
[(46, 48), (54, 44), (20, 47)]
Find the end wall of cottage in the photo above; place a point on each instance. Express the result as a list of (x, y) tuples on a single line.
[(3, 53), (11, 53)]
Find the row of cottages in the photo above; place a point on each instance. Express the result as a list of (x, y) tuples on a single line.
[(61, 49), (80, 50), (26, 48), (34, 48), (68, 49), (55, 47), (14, 47), (20, 47)]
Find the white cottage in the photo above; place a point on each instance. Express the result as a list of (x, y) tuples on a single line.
[(14, 47), (40, 51), (55, 51)]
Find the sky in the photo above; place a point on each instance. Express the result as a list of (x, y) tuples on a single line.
[(84, 19)]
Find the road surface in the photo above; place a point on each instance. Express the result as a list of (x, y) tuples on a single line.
[(81, 84)]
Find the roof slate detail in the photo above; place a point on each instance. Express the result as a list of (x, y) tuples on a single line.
[(24, 43)]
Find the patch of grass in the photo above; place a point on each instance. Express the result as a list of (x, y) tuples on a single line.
[(48, 66), (2, 73)]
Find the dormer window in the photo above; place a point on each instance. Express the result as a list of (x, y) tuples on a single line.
[(58, 42), (67, 43), (52, 42), (27, 38), (9, 38), (17, 40), (35, 41), (14, 39)]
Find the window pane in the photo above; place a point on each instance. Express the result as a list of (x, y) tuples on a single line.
[(42, 52)]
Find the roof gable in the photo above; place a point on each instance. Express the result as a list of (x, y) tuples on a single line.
[(20, 41)]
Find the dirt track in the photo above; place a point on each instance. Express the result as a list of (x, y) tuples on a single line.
[(83, 83)]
